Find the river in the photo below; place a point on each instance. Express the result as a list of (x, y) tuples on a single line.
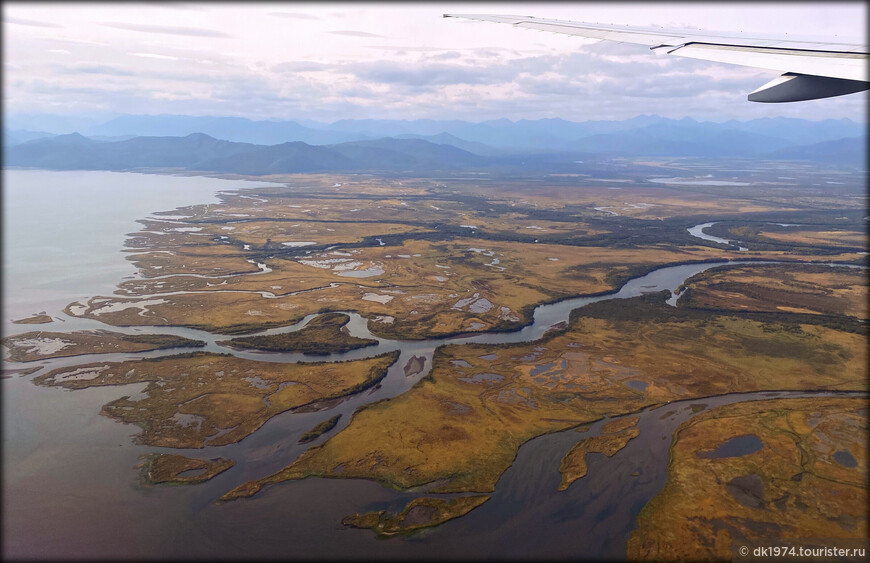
[(69, 487)]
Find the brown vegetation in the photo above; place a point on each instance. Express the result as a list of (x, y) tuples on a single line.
[(809, 480), (175, 469), (199, 399)]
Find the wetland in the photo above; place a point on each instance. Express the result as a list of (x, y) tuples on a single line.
[(455, 367)]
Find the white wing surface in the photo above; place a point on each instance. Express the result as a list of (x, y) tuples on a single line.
[(811, 69)]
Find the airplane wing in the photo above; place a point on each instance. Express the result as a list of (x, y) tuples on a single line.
[(811, 70)]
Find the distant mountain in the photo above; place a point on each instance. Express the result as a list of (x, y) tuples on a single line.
[(76, 152), (487, 138), (60, 152), (410, 153), (235, 129), (851, 151), (279, 159), (681, 139), (55, 124), (110, 138), (19, 136), (201, 152), (204, 153), (800, 131), (380, 154), (375, 128), (452, 140)]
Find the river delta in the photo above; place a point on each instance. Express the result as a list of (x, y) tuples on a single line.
[(436, 360)]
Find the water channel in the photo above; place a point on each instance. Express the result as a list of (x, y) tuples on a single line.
[(70, 490)]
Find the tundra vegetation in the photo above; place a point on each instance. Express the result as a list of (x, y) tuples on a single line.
[(421, 512), (420, 259), (807, 480), (41, 345), (199, 399), (432, 258), (319, 430), (323, 335), (462, 424), (173, 469)]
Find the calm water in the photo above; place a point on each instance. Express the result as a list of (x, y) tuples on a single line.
[(62, 231), (69, 487)]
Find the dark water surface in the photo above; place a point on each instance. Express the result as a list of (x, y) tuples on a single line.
[(737, 446)]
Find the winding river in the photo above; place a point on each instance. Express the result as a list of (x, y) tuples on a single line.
[(70, 490)]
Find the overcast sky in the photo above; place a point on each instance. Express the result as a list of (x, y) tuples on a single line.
[(330, 61)]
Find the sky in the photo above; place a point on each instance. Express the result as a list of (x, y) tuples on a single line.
[(328, 61)]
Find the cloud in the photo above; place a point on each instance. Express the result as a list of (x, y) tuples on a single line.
[(168, 30), (33, 23), (71, 41), (294, 15), (154, 56), (98, 69), (446, 55), (301, 66), (416, 74), (352, 33), (402, 49)]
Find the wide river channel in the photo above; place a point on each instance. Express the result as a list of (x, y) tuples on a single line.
[(70, 489)]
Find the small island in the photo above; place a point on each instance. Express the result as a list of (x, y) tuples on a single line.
[(319, 430), (616, 435), (175, 469), (419, 513), (415, 365), (36, 319), (322, 336)]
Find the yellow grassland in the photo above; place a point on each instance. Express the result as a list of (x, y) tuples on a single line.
[(167, 468), (257, 233), (427, 278), (654, 202), (828, 238), (452, 427), (797, 289), (36, 319), (525, 275), (199, 399), (209, 261), (28, 347), (420, 513), (801, 491), (620, 424)]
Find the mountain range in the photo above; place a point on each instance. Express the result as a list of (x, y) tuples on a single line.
[(239, 145)]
